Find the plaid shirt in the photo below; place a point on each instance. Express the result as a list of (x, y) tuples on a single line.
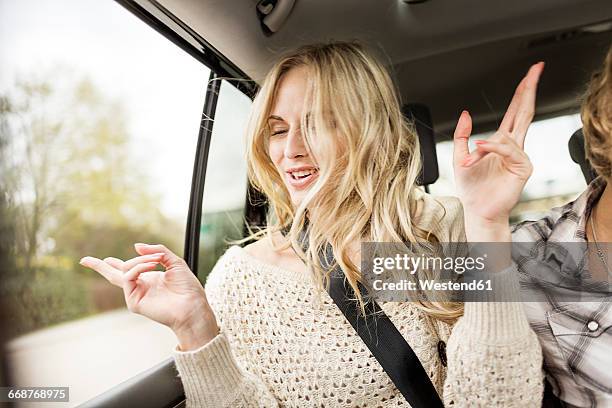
[(576, 337)]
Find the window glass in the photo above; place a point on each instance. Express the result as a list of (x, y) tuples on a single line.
[(98, 130), (225, 188), (556, 179)]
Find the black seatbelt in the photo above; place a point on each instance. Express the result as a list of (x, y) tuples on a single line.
[(381, 336)]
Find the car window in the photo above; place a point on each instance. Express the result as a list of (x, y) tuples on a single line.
[(99, 125), (556, 179), (226, 179)]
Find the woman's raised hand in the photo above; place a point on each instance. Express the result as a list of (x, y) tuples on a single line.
[(491, 178), (173, 297)]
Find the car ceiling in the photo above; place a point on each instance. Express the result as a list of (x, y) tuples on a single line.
[(447, 54)]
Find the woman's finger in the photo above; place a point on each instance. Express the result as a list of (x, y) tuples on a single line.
[(526, 107), (130, 263), (114, 262), (463, 130), (507, 150), (508, 120), (131, 276), (474, 157), (168, 259), (111, 274)]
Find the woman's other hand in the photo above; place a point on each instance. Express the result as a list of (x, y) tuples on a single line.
[(491, 178), (173, 297)]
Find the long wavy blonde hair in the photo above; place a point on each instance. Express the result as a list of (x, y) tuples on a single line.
[(368, 158)]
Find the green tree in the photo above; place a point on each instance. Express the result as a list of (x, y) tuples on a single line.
[(72, 188)]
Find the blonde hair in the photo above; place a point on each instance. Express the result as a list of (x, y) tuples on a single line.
[(596, 116), (368, 159)]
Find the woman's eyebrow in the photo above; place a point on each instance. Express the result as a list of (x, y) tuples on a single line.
[(274, 117)]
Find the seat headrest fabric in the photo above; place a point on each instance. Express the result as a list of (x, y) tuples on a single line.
[(578, 155), (421, 117)]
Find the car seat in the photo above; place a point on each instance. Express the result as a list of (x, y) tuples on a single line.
[(578, 155)]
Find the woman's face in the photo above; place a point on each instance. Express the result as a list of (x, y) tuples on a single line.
[(287, 148)]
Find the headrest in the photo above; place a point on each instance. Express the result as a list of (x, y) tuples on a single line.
[(421, 117), (577, 153)]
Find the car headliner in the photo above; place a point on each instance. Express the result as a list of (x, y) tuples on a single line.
[(447, 54)]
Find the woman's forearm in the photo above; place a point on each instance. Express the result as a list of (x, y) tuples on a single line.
[(492, 346), (494, 359)]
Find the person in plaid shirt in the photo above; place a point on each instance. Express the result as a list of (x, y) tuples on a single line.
[(576, 336)]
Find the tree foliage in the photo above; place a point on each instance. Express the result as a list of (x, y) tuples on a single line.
[(71, 188)]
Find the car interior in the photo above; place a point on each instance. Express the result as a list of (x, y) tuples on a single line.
[(445, 56)]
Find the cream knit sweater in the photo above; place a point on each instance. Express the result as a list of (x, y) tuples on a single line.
[(282, 344)]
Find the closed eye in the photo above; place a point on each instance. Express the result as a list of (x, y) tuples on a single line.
[(279, 132)]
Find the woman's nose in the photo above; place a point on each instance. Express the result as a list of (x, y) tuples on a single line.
[(294, 146)]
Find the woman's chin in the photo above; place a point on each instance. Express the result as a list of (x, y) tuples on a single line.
[(297, 198)]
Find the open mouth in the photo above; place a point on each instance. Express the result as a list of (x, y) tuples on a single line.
[(301, 177)]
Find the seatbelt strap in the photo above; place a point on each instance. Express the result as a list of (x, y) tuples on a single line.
[(380, 335)]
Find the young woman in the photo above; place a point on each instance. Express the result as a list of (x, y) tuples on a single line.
[(576, 336), (327, 142)]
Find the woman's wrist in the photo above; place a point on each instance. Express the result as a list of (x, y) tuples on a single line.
[(198, 330), (481, 229), (494, 238)]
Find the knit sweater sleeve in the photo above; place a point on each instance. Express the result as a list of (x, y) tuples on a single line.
[(211, 375), (494, 357)]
